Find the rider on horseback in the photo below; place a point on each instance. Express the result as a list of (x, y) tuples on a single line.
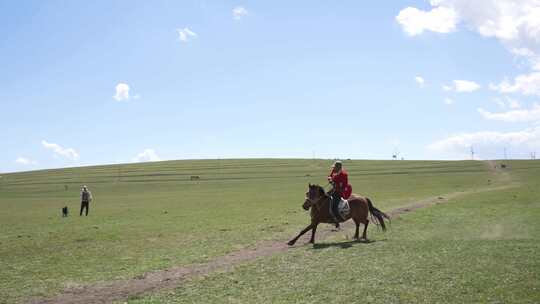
[(341, 188)]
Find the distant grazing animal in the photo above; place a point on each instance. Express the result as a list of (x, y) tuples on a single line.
[(319, 202), (65, 211), (503, 166), (194, 177)]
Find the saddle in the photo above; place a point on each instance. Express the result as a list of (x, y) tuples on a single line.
[(343, 209)]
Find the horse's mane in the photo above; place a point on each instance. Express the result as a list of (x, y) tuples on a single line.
[(321, 190)]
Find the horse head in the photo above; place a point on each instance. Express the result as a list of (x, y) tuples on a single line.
[(313, 196)]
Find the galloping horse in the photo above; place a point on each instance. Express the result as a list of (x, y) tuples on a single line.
[(319, 202)]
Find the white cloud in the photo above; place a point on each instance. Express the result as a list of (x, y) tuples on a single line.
[(122, 92), (439, 19), (515, 23), (525, 52), (462, 86), (185, 33), (522, 115), (535, 63), (146, 156), (507, 103), (499, 102), (448, 101), (505, 20), (25, 161), (420, 81), (239, 12), (488, 142), (465, 86), (68, 153), (513, 104), (526, 84)]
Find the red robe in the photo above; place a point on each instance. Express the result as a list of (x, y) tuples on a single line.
[(341, 183)]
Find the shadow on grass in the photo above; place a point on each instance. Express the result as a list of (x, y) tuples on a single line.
[(342, 245)]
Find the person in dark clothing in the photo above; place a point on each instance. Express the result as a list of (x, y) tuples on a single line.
[(86, 198)]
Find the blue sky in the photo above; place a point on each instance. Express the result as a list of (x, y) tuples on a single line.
[(103, 82)]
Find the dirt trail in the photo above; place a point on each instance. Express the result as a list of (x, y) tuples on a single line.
[(173, 277), (502, 174)]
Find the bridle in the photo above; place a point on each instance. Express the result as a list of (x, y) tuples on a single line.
[(315, 202)]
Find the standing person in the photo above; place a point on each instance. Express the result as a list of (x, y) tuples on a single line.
[(86, 198), (342, 189)]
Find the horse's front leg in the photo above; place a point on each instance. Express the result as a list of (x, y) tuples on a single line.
[(313, 230), (291, 242)]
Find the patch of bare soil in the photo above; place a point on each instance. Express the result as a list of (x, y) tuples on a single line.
[(501, 174), (163, 279), (443, 199)]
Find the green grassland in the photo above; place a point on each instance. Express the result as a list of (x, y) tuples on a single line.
[(152, 216), (478, 248)]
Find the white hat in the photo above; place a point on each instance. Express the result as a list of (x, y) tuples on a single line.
[(337, 163)]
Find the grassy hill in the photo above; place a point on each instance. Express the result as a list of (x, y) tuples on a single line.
[(153, 216)]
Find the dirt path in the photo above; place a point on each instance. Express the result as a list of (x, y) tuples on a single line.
[(501, 173), (172, 277)]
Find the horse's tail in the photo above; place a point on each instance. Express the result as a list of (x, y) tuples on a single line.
[(378, 214)]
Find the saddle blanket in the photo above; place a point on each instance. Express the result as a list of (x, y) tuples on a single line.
[(343, 209)]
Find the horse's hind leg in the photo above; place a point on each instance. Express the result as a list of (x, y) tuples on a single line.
[(356, 234), (364, 234)]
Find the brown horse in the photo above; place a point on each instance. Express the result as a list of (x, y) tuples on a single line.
[(319, 202)]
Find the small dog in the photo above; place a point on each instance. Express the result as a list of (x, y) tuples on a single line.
[(65, 211)]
